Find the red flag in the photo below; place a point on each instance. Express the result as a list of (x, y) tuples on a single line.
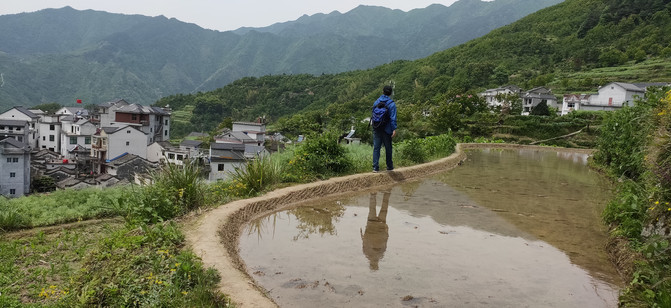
[(79, 101)]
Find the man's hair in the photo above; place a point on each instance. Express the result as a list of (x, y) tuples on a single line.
[(387, 90)]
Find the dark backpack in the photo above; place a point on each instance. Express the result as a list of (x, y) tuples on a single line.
[(380, 116)]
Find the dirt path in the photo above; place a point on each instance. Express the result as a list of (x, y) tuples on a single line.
[(214, 235)]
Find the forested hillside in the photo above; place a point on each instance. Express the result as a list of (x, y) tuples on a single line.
[(573, 46), (60, 55)]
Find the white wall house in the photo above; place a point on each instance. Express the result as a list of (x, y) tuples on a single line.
[(255, 131), (535, 96), (76, 137), (50, 133), (612, 96), (573, 102), (224, 158), (165, 152), (490, 95), (14, 168), (23, 114), (155, 122), (111, 142)]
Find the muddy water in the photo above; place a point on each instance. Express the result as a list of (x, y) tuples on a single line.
[(508, 228)]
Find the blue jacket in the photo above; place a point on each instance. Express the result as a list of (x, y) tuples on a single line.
[(391, 106)]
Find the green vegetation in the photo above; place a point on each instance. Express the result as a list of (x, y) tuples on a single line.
[(634, 148), (63, 54), (559, 47)]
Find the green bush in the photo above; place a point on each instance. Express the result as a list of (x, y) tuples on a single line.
[(175, 190), (10, 219), (258, 175), (411, 150), (318, 157)]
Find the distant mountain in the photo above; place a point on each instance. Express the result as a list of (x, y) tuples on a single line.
[(576, 45), (60, 55)]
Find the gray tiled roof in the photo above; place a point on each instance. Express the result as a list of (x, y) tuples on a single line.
[(27, 112)]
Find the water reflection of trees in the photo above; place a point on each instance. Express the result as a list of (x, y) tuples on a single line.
[(318, 219)]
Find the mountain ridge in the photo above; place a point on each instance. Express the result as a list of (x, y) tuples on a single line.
[(60, 55)]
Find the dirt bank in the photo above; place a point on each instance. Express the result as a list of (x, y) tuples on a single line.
[(214, 234)]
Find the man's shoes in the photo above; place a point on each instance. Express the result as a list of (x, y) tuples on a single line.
[(376, 171), (390, 169)]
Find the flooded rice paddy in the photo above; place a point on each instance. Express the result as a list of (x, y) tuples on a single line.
[(508, 228)]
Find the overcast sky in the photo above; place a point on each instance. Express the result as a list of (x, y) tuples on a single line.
[(217, 14)]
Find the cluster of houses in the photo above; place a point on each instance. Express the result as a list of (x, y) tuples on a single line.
[(609, 97), (118, 142)]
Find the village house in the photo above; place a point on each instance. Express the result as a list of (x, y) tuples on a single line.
[(192, 147), (164, 152), (224, 158), (18, 130), (73, 111), (50, 133), (128, 166), (76, 135), (112, 142), (536, 96), (491, 96), (153, 121), (255, 130), (14, 168), (29, 135), (612, 96)]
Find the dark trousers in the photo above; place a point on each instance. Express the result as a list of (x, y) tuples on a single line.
[(380, 138)]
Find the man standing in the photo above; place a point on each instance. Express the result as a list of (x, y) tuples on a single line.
[(384, 128)]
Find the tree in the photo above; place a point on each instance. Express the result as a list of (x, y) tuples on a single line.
[(49, 108), (541, 109)]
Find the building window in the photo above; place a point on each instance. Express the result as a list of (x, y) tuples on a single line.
[(128, 131), (44, 138), (171, 156), (12, 191), (12, 174), (20, 139), (165, 133), (127, 143), (15, 159), (18, 129), (133, 117), (87, 140), (180, 157), (73, 140), (52, 127), (9, 159), (52, 138), (220, 167), (166, 122)]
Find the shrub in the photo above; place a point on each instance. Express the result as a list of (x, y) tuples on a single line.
[(412, 150), (10, 219), (175, 190), (257, 175), (319, 156)]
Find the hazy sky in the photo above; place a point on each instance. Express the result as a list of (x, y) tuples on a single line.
[(216, 14)]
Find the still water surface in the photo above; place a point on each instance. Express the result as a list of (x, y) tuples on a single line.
[(508, 228)]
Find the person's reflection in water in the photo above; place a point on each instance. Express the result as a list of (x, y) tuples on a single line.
[(377, 232)]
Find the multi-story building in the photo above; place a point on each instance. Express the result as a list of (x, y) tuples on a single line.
[(18, 130), (49, 130), (76, 137), (23, 114), (111, 142), (14, 168), (153, 121)]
